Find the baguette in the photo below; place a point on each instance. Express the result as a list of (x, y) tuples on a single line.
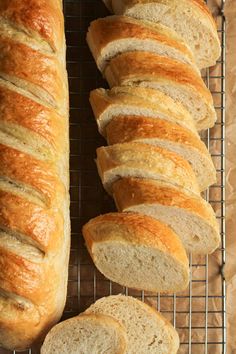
[(86, 334), (189, 216), (34, 165), (107, 37), (172, 77), (138, 252), (191, 19), (138, 101), (147, 330), (143, 161), (158, 132)]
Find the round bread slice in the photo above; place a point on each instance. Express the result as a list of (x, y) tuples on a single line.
[(138, 252), (148, 331), (191, 217), (107, 104), (170, 76), (87, 334), (107, 37), (191, 19), (158, 132), (144, 161)]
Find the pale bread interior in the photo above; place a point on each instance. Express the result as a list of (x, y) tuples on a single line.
[(147, 331)]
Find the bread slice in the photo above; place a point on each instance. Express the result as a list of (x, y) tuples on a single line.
[(107, 37), (143, 161), (170, 76), (107, 104), (87, 334), (138, 252), (191, 19), (190, 216), (147, 330), (158, 132)]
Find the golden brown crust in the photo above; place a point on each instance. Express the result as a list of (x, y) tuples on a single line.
[(42, 226), (34, 198), (159, 132), (30, 276), (25, 169), (133, 66), (138, 230), (22, 111), (161, 105), (18, 61), (39, 18), (124, 129), (121, 160), (129, 192), (104, 31)]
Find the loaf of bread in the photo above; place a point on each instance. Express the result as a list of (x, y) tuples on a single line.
[(159, 132), (144, 161), (190, 216), (138, 252), (34, 173), (138, 101), (147, 330), (87, 334), (107, 37), (170, 76), (191, 19)]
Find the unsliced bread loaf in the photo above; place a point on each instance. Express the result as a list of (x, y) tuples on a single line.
[(138, 252), (170, 76), (139, 101), (87, 334), (148, 331), (191, 217), (144, 161), (191, 19), (107, 37), (168, 135)]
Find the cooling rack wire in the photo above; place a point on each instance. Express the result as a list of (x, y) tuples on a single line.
[(199, 314)]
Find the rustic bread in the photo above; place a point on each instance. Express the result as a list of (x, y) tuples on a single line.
[(139, 101), (190, 216), (137, 251), (86, 334), (191, 19), (158, 132), (144, 161), (147, 330), (34, 165), (170, 76), (107, 37)]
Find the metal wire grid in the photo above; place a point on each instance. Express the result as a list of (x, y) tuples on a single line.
[(199, 314)]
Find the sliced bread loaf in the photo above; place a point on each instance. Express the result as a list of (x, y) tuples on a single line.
[(87, 334), (107, 37), (170, 76), (107, 104), (191, 19), (191, 217), (148, 332), (158, 132), (144, 161), (138, 252)]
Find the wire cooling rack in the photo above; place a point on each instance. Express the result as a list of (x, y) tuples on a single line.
[(199, 314)]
